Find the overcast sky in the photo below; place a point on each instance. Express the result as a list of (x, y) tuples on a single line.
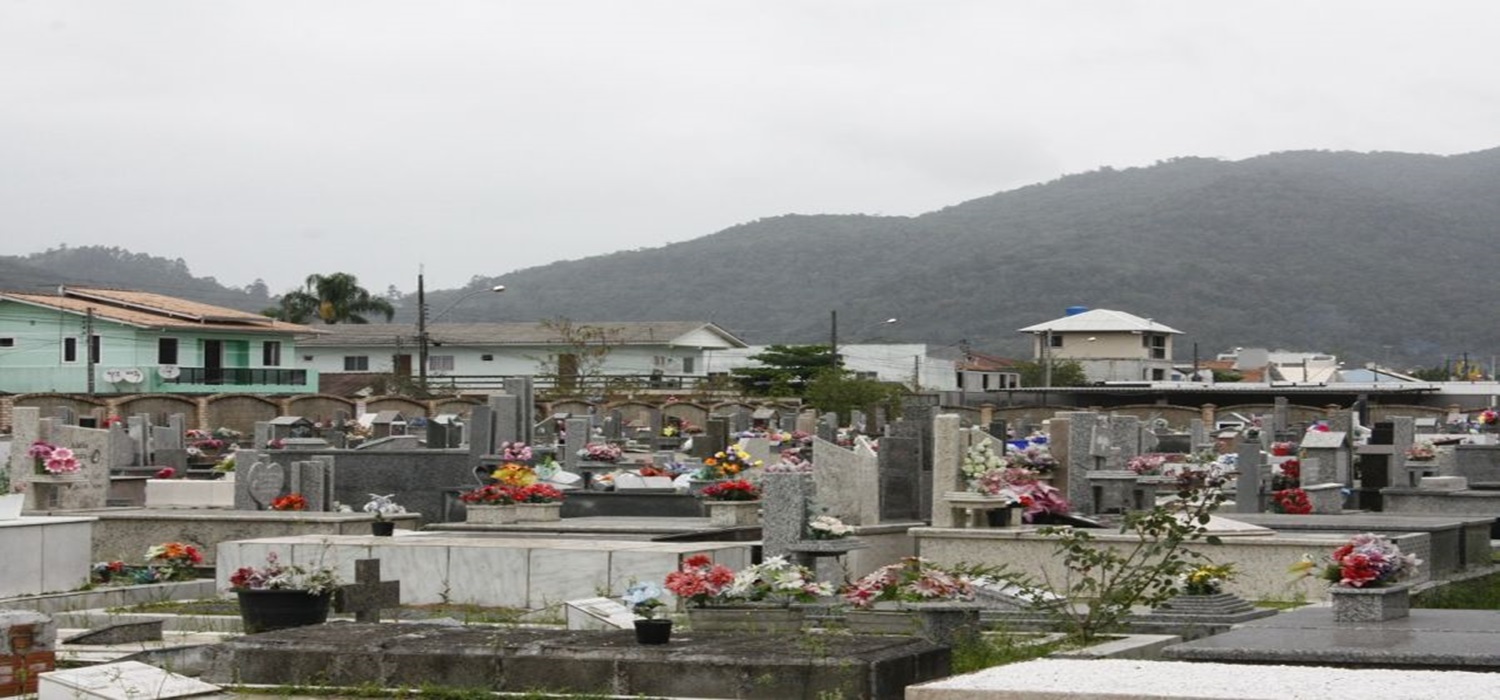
[(272, 140)]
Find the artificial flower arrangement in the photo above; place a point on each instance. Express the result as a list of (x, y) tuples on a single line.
[(1206, 579), (514, 475), (276, 576), (227, 434), (490, 495), (735, 490), (791, 462), (1489, 416), (980, 459), (203, 441), (166, 473), (1148, 464), (644, 599), (727, 463), (914, 580), (1422, 451), (1369, 561), (538, 493), (827, 527), (1032, 454), (226, 465), (993, 475), (291, 501), (1201, 470), (174, 561), (601, 452), (515, 452), (52, 459), (1293, 501), (381, 506), (702, 583), (1283, 449), (1286, 475)]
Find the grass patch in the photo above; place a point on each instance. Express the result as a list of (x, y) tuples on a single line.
[(1481, 593), (998, 649)]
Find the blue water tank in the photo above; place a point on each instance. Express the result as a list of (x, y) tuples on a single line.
[(1075, 310)]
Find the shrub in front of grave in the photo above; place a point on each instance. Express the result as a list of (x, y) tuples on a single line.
[(1103, 581)]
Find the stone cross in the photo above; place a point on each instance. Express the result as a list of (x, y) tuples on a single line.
[(368, 595)]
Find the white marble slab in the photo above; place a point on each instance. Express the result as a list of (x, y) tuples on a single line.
[(43, 554), (598, 614), (498, 576), (122, 680), (189, 493)]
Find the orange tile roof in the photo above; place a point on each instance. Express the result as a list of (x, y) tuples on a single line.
[(148, 310)]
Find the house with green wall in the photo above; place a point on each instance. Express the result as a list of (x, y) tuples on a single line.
[(108, 341)]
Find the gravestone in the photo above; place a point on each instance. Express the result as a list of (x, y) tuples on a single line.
[(1279, 420), (788, 421), (784, 499), (828, 427), (847, 481), (899, 475), (999, 430), (1198, 435), (139, 428), (445, 431), (1377, 468), (262, 435), (947, 461), (857, 421), (1403, 434), (481, 431), (1326, 457), (368, 595), (1254, 476), (1079, 456), (266, 479), (717, 438), (574, 441), (524, 390)]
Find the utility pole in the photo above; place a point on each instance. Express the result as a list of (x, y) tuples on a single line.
[(421, 334), (833, 339), (88, 346)]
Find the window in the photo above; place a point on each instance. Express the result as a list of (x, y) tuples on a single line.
[(1158, 375), (166, 351), (96, 349), (687, 365), (1157, 344), (486, 358), (270, 353), (7, 342), (70, 349), (1055, 340), (439, 363), (356, 363)]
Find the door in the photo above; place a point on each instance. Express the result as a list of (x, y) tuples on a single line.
[(213, 362)]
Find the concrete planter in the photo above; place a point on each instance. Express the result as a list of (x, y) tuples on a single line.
[(1370, 604), (938, 622), (10, 505), (538, 512), (733, 513), (754, 620), (490, 515)]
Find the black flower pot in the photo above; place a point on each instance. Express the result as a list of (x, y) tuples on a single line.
[(653, 631), (266, 610), (383, 528)]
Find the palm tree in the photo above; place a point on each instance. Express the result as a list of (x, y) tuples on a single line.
[(335, 298)]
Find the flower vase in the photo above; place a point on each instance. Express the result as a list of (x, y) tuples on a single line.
[(275, 609), (538, 512), (733, 513), (750, 619), (11, 504), (479, 514), (1370, 604), (653, 631)]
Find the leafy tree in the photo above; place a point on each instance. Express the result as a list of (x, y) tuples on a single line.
[(786, 370), (1223, 376), (335, 298), (1431, 374), (1064, 373), (838, 390)]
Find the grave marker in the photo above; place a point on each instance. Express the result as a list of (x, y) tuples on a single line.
[(368, 595)]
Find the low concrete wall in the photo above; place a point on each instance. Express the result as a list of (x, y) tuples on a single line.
[(126, 533), (1262, 562)]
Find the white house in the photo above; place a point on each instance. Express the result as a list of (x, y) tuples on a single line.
[(887, 362), (663, 350), (1111, 346)]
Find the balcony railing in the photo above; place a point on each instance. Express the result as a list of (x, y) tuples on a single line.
[(240, 377)]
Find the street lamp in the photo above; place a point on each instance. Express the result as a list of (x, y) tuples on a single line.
[(422, 337)]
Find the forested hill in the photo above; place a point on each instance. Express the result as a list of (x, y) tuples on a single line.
[(1371, 256), (118, 268)]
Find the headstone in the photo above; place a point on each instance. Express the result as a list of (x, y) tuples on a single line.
[(899, 474), (1253, 474), (576, 439), (1326, 457), (1403, 434), (947, 461), (597, 614), (857, 421), (788, 422), (739, 421), (314, 480), (261, 483), (1198, 435), (139, 427), (368, 595), (847, 484), (999, 430), (716, 438), (522, 388), (784, 500), (481, 432), (262, 435), (507, 411), (828, 427), (1080, 457), (1279, 419)]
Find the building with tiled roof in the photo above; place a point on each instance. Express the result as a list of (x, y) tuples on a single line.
[(1110, 346), (110, 341)]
